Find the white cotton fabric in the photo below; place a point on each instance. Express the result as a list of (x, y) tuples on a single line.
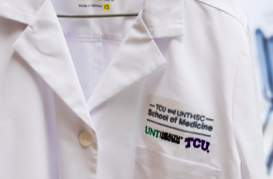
[(60, 77)]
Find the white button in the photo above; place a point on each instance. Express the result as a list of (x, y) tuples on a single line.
[(85, 138)]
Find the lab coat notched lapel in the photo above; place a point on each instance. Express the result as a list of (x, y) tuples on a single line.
[(137, 56), (43, 46)]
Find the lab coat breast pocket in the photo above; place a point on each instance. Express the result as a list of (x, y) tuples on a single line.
[(151, 164)]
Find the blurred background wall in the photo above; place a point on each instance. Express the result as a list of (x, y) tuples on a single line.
[(260, 18)]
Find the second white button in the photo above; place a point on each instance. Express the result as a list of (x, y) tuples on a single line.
[(85, 138)]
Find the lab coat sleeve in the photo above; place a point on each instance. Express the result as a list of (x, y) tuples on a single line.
[(247, 123)]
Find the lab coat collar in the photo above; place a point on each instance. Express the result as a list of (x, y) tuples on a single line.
[(44, 47), (138, 55)]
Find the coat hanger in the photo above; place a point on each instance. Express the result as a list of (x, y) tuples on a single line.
[(95, 16)]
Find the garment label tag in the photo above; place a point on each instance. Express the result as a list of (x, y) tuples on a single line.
[(104, 5), (176, 123)]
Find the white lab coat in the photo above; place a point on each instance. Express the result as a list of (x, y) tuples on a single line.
[(168, 94)]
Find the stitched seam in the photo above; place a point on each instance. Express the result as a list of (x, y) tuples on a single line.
[(166, 29), (95, 37), (5, 6), (226, 10), (232, 102)]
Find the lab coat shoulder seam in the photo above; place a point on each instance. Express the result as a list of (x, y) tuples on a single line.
[(229, 11), (5, 8), (26, 16)]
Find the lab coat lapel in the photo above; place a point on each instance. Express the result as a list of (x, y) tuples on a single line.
[(137, 56), (43, 46)]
